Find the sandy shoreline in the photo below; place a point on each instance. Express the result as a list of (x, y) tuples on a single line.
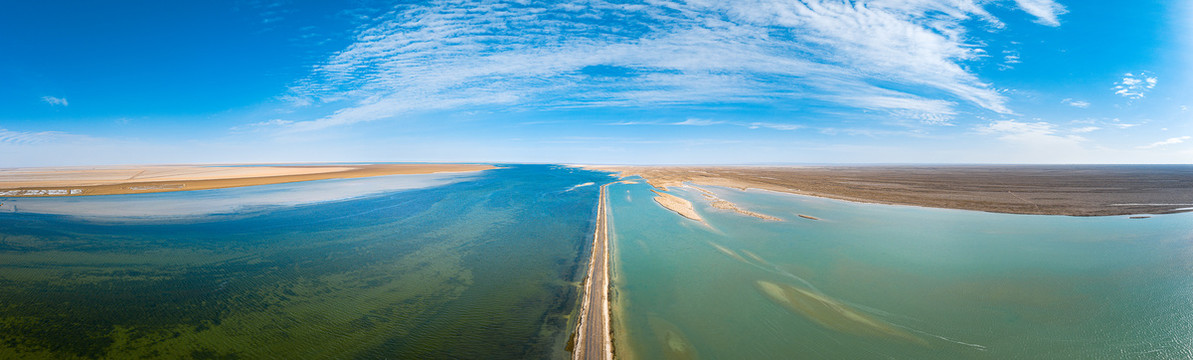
[(111, 180), (1093, 190)]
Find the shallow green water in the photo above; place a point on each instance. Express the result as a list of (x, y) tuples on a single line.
[(875, 281), (484, 267)]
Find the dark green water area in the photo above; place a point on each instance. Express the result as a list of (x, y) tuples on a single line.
[(488, 267)]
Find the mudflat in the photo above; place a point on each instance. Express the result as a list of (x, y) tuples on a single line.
[(109, 180), (1077, 190)]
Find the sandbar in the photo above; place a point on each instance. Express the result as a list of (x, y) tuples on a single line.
[(832, 313), (111, 180), (723, 204), (678, 205)]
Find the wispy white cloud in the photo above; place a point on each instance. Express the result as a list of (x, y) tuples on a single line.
[(1135, 86), (55, 101), (1039, 133), (928, 111), (1116, 122), (26, 137), (583, 53), (1047, 12), (1009, 59), (57, 148), (263, 124), (774, 126), (1075, 103), (873, 133), (706, 122), (1169, 141), (1094, 124), (632, 123), (698, 122)]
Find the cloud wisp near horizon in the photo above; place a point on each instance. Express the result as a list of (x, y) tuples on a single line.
[(856, 81)]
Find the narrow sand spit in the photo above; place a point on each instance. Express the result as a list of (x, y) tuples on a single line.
[(727, 205), (723, 204), (109, 180), (678, 205), (832, 313)]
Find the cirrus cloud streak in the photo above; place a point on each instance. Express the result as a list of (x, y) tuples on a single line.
[(903, 57)]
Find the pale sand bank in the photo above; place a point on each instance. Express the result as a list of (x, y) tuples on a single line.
[(678, 205), (726, 205), (723, 204), (109, 180), (714, 200), (225, 201), (832, 313)]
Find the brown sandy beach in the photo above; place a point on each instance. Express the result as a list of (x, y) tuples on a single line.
[(1093, 190), (108, 180)]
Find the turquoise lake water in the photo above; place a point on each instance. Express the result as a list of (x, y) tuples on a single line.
[(480, 265), (894, 282)]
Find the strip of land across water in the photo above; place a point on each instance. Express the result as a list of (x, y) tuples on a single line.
[(1088, 190), (593, 336), (110, 180)]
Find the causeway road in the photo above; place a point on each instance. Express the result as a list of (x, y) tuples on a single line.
[(593, 341)]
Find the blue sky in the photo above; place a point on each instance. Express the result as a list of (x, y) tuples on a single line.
[(657, 82)]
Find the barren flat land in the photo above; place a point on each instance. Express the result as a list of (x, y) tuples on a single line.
[(108, 180), (1078, 190)]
